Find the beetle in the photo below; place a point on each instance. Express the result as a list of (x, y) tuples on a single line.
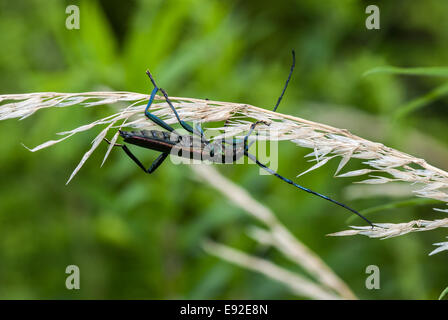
[(196, 146)]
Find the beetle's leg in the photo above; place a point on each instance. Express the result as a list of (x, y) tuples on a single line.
[(150, 116), (153, 166), (156, 163), (160, 122), (115, 144), (154, 118), (185, 125), (252, 127), (287, 80), (226, 123), (236, 141), (199, 129), (254, 159)]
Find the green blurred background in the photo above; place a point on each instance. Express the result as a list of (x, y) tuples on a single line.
[(139, 236)]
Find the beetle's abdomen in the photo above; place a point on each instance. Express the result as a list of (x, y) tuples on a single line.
[(162, 140), (152, 134)]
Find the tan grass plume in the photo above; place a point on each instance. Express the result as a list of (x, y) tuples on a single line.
[(381, 163)]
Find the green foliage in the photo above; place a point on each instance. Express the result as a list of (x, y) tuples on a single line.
[(430, 71), (444, 293), (424, 100), (412, 202), (138, 236)]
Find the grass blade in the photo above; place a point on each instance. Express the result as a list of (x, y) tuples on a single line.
[(420, 102), (427, 71), (393, 205), (444, 293)]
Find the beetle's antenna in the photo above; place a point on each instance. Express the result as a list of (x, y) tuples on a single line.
[(151, 78), (253, 158), (167, 99), (287, 80)]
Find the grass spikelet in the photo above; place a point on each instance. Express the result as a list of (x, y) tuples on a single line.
[(382, 164)]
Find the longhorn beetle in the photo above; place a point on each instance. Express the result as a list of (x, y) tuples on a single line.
[(191, 147)]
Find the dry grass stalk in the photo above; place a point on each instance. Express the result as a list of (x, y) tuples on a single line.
[(276, 234), (297, 284), (383, 164)]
